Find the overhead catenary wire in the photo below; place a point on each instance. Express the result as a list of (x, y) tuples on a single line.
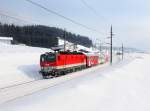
[(100, 17), (87, 5), (94, 11), (64, 17), (17, 18)]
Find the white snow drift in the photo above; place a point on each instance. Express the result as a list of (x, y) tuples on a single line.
[(19, 64)]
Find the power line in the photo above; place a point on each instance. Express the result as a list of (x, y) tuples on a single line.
[(111, 33), (64, 17), (93, 10), (16, 18)]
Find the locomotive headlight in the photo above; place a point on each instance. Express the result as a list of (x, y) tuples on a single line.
[(49, 68), (45, 68), (42, 68)]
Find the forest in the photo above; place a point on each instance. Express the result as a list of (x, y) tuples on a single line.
[(40, 35)]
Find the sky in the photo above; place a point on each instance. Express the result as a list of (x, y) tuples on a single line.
[(129, 18)]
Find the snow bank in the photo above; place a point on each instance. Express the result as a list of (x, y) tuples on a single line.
[(19, 64)]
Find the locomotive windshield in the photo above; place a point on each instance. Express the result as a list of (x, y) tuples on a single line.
[(48, 57)]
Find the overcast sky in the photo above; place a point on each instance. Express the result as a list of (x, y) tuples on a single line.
[(130, 18)]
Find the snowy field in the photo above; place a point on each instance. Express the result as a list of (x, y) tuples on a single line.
[(121, 87), (20, 69)]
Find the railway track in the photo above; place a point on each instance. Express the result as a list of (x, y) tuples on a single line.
[(16, 91), (9, 86)]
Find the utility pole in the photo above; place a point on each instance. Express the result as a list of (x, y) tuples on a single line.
[(100, 47), (64, 40), (122, 51), (111, 34)]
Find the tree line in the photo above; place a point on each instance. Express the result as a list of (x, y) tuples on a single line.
[(40, 35)]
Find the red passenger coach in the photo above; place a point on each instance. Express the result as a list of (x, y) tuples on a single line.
[(92, 60)]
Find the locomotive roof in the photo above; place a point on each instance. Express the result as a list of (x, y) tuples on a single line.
[(91, 54), (66, 52)]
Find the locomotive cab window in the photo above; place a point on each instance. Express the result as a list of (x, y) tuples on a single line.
[(48, 58), (51, 58), (42, 58)]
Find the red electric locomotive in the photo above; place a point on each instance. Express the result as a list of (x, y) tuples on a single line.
[(56, 64)]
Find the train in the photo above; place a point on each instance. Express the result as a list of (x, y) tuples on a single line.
[(54, 64)]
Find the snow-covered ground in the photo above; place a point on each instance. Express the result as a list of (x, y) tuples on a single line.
[(121, 87), (20, 69), (19, 64)]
